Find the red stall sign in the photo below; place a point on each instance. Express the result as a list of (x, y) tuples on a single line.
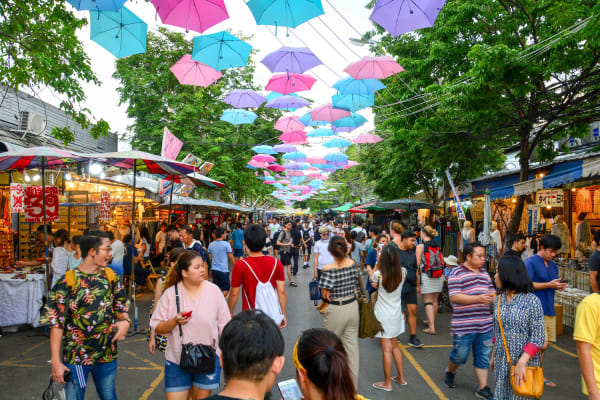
[(17, 197), (104, 206), (34, 206)]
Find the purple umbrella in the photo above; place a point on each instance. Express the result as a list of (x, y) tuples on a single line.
[(285, 148), (287, 102), (293, 60), (401, 16), (244, 98), (338, 129)]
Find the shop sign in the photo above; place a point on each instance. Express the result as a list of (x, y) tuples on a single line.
[(533, 218), (104, 209), (205, 168), (552, 197), (214, 219), (34, 206), (192, 159), (17, 197)]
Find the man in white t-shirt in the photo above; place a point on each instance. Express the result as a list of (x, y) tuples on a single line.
[(274, 227), (322, 254), (359, 228)]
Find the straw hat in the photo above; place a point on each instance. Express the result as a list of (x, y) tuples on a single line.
[(451, 260)]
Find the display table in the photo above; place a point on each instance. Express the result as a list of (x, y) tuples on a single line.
[(21, 299)]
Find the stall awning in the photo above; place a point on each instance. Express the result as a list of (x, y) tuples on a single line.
[(503, 192), (591, 167), (563, 173), (528, 187)]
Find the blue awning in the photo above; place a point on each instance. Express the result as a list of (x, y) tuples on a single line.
[(501, 193), (563, 173)]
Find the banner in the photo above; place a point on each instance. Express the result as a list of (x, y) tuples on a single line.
[(533, 218), (164, 187), (104, 209), (170, 145), (34, 207), (192, 159), (461, 213), (552, 197), (205, 168), (17, 197)]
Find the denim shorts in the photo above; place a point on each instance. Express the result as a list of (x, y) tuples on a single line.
[(221, 279), (178, 380), (238, 253), (482, 348)]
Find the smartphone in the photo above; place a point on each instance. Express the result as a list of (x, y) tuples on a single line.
[(380, 246), (187, 314), (564, 281), (290, 390)]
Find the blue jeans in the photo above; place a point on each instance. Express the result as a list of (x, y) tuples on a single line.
[(104, 379), (482, 348)]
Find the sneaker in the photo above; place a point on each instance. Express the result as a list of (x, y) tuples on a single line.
[(484, 394), (449, 379), (415, 342), (305, 266)]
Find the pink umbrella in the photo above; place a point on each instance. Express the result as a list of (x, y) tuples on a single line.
[(314, 175), (257, 164), (263, 158), (374, 68), (289, 124), (352, 163), (295, 173), (197, 15), (316, 160), (367, 138), (293, 137), (294, 187), (328, 113), (284, 181), (312, 168), (276, 168), (192, 72), (305, 191), (269, 182), (290, 83)]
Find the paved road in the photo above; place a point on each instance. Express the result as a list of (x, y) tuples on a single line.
[(25, 368)]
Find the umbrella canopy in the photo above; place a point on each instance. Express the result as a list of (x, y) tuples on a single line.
[(221, 50), (344, 208), (351, 164), (195, 15), (295, 174), (274, 95), (284, 148), (258, 164), (295, 165), (191, 72), (289, 124), (307, 120), (263, 158), (284, 12), (352, 102), (398, 17), (293, 60), (244, 98), (367, 138), (288, 102), (283, 182), (316, 160), (337, 142), (263, 149), (276, 168), (237, 117), (374, 68), (335, 157), (321, 132), (350, 85), (328, 113), (97, 5), (120, 32), (290, 83), (409, 204), (353, 121), (314, 175), (293, 137), (33, 156), (339, 129), (297, 156)]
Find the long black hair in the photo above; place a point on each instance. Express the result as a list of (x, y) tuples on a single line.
[(514, 276)]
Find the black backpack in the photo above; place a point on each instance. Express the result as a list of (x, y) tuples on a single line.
[(276, 238)]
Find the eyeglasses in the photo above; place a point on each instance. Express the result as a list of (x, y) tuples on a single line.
[(105, 248)]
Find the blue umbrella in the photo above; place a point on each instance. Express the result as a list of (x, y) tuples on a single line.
[(352, 102), (353, 121), (338, 129), (120, 32), (350, 85), (282, 13), (307, 120), (237, 117), (221, 50), (97, 5), (321, 132), (337, 142), (335, 157), (263, 149), (297, 155)]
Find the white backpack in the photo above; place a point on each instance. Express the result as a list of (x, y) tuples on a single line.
[(266, 298)]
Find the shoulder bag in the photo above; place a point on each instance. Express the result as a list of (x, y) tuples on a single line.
[(368, 325), (195, 358), (314, 291), (533, 384)]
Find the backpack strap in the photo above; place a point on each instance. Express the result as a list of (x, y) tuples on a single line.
[(272, 272), (251, 270)]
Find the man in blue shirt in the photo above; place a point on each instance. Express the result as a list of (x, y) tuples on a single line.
[(238, 242), (544, 275), (220, 254)]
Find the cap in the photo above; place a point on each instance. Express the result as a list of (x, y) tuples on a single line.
[(451, 260)]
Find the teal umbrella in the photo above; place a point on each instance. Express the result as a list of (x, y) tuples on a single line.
[(321, 132), (221, 50), (120, 32), (353, 121), (337, 142), (284, 12), (307, 120), (352, 102), (350, 85), (238, 117)]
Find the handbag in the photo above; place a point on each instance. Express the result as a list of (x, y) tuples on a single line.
[(368, 325), (533, 384), (314, 292), (195, 358)]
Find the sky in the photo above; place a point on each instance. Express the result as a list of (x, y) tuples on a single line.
[(327, 36)]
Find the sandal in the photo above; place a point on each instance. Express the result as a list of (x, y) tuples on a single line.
[(379, 385), (429, 331), (293, 284), (395, 379), (549, 383)]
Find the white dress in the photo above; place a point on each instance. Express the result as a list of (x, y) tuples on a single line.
[(388, 308)]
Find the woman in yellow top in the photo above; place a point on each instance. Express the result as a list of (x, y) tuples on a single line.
[(322, 367)]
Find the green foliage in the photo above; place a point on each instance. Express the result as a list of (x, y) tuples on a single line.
[(155, 99), (39, 47)]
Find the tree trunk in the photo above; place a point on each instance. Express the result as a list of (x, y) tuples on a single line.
[(525, 153)]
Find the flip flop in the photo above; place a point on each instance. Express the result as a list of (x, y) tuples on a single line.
[(395, 379), (293, 284), (379, 386), (429, 331), (549, 383)]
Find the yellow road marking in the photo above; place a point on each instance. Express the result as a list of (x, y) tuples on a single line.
[(152, 386), (35, 347), (433, 346), (16, 364), (153, 364), (423, 374), (562, 350), (135, 340)]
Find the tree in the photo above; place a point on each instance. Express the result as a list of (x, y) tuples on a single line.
[(39, 47), (490, 75), (155, 99), (353, 183)]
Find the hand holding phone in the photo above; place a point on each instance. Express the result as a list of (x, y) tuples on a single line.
[(290, 390), (187, 314)]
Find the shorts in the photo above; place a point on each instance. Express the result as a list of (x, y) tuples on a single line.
[(285, 258), (409, 294), (178, 380), (307, 249), (265, 252), (268, 244), (238, 253), (550, 328), (221, 279), (482, 348)]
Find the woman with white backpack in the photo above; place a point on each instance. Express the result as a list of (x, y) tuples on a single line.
[(429, 254)]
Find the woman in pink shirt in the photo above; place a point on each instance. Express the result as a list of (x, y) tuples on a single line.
[(209, 315)]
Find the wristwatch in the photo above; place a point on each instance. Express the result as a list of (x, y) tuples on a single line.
[(128, 320)]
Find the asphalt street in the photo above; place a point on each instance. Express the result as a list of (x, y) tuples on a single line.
[(25, 368)]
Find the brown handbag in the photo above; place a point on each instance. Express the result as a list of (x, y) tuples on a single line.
[(368, 326), (533, 384)]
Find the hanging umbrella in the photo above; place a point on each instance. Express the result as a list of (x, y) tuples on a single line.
[(350, 85), (367, 138), (264, 158), (296, 156), (330, 169), (398, 16), (283, 182), (120, 32), (237, 117), (293, 60), (308, 121), (337, 164), (374, 68), (314, 175), (269, 182), (274, 95), (333, 157), (244, 98), (312, 168), (293, 137), (263, 149), (276, 168), (337, 142), (321, 132), (328, 113), (352, 102), (290, 83), (289, 124), (353, 121), (284, 148), (97, 5), (191, 72), (221, 50), (340, 129), (288, 102), (195, 15), (284, 12), (295, 165), (257, 164), (295, 173), (316, 160), (351, 164)]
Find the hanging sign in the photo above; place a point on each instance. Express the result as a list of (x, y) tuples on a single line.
[(533, 217), (17, 197), (205, 168), (551, 197), (192, 159), (34, 206), (104, 209), (170, 145)]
